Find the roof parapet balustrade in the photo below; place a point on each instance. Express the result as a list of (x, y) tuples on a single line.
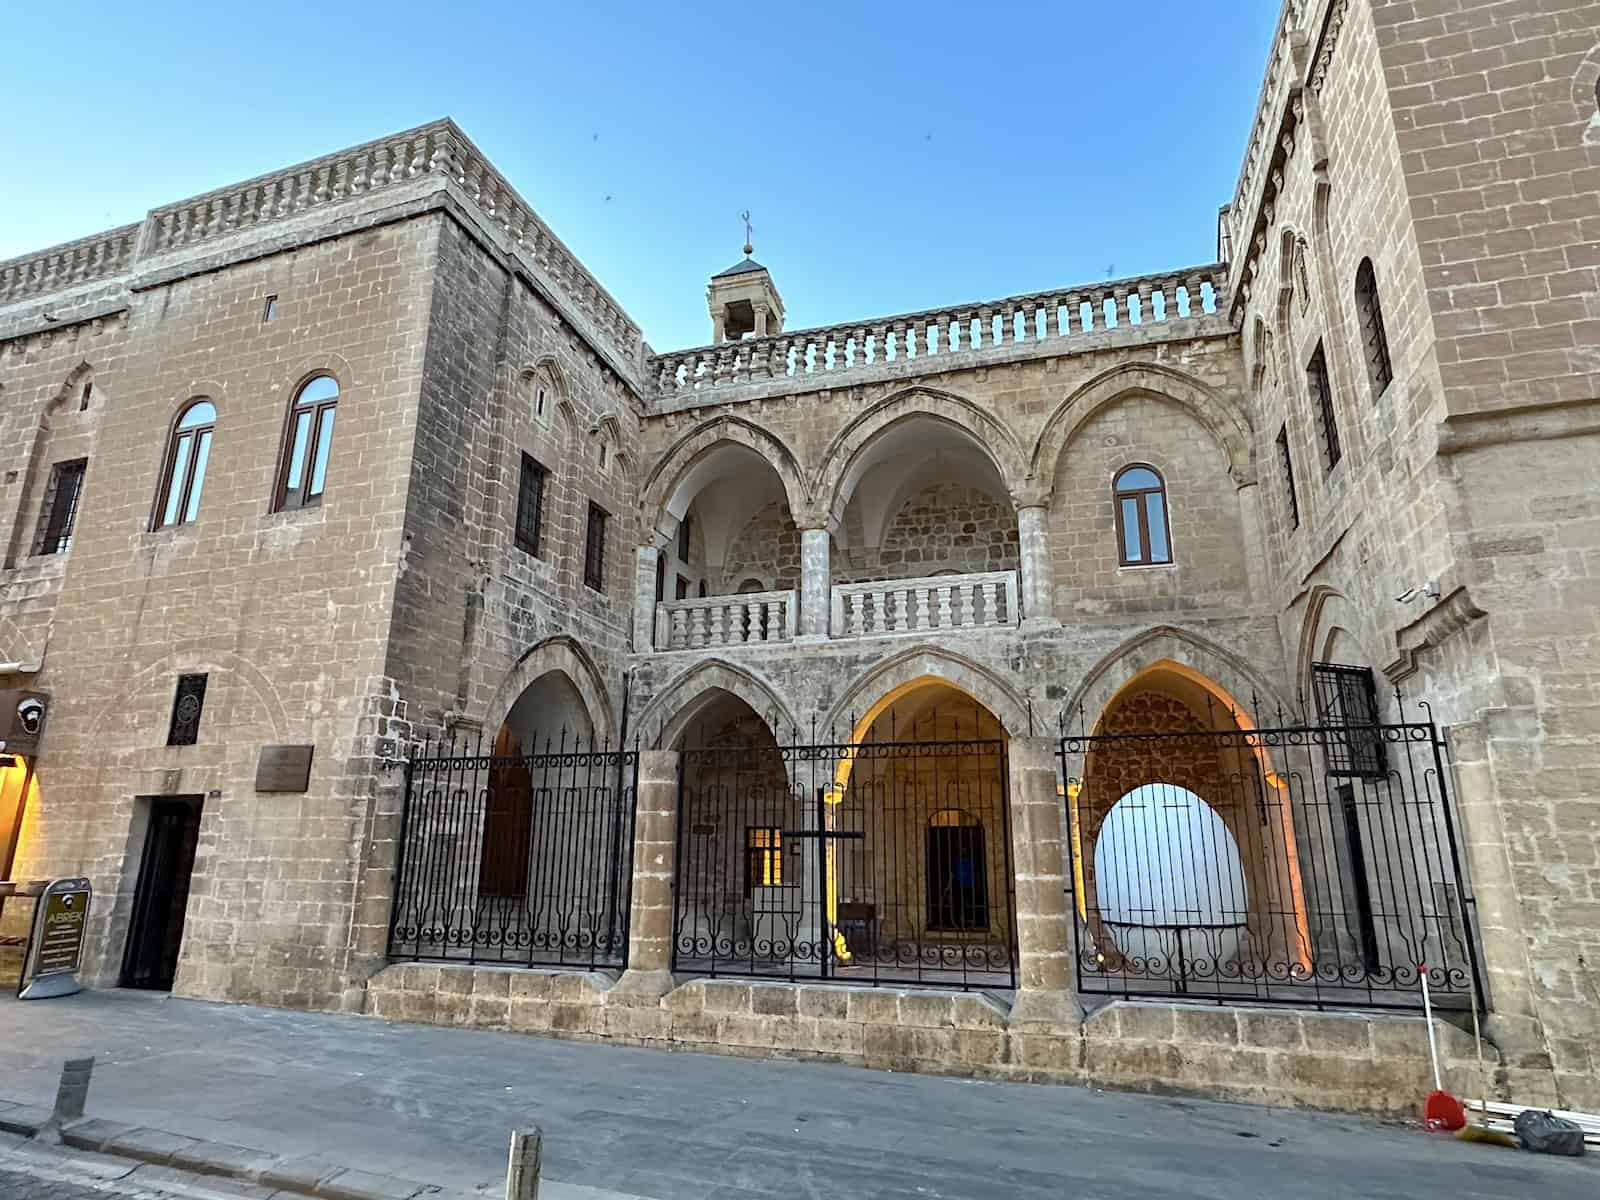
[(100, 256), (1043, 320)]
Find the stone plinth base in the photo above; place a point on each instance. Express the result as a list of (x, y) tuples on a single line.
[(1356, 1062)]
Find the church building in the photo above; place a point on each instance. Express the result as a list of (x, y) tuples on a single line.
[(1151, 682)]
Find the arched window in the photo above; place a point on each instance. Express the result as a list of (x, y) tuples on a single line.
[(184, 475), (1141, 499), (307, 442), (1374, 341)]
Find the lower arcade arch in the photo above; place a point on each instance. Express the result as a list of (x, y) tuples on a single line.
[(881, 856), (1186, 862), (521, 855)]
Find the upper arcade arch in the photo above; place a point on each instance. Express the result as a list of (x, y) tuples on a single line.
[(707, 452), (1220, 415), (918, 417)]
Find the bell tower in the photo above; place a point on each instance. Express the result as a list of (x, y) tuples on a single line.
[(743, 300)]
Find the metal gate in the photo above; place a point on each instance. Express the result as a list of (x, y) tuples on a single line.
[(876, 862), (1302, 863), (520, 859)]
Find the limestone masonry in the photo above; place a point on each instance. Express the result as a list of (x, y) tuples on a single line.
[(1131, 683)]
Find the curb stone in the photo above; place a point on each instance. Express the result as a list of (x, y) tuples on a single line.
[(263, 1173)]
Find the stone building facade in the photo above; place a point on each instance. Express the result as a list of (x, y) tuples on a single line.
[(1173, 507)]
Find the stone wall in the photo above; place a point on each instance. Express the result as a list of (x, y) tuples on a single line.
[(281, 610), (1353, 1062)]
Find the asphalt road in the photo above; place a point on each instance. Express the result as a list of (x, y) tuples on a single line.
[(437, 1105)]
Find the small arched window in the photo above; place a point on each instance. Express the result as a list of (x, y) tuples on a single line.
[(1141, 500), (1374, 341), (183, 477), (307, 442)]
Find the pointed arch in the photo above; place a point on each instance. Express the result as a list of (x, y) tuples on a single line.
[(1219, 413), (1227, 675), (559, 652), (69, 386), (222, 664), (936, 665), (14, 645), (981, 428), (660, 490), (674, 707)]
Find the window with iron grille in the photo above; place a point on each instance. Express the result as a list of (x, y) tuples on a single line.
[(1373, 339), (59, 512), (1347, 704), (530, 505), (1322, 406), (187, 704), (594, 548), (1288, 476)]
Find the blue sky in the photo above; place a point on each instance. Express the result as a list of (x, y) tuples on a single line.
[(893, 157)]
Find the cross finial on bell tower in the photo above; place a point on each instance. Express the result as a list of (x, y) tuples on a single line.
[(743, 300)]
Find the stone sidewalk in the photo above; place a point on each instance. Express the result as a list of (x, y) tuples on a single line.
[(437, 1105)]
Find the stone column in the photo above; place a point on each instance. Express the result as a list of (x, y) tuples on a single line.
[(644, 598), (816, 583), (1040, 859), (654, 862), (1513, 1022), (1038, 588)]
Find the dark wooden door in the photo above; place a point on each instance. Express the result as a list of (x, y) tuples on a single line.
[(958, 888), (507, 821), (155, 932)]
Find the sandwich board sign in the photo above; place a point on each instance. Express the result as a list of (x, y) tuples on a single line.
[(55, 943)]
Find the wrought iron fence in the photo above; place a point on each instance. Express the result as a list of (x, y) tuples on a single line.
[(878, 861), (1298, 863), (521, 859)]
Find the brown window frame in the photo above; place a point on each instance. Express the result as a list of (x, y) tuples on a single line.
[(286, 499), (1138, 495), (58, 514), (763, 858), (529, 528), (1287, 461), (594, 548), (200, 437), (1320, 385), (1374, 338)]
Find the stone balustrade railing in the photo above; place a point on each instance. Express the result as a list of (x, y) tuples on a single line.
[(919, 605), (1018, 320), (439, 149), (62, 267), (727, 620)]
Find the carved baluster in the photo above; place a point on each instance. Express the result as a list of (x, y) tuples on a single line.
[(721, 622), (966, 596), (943, 592), (680, 629), (991, 613)]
